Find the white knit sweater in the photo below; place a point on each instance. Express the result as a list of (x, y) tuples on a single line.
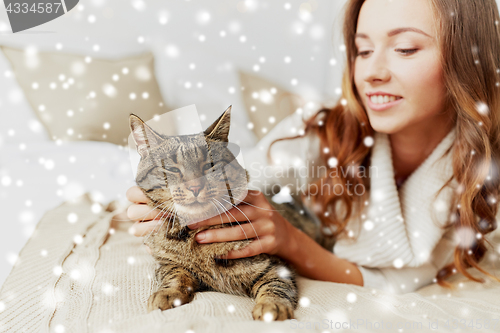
[(399, 248)]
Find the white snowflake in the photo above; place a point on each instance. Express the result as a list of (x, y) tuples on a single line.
[(268, 317), (6, 181), (163, 17), (12, 258), (398, 263), (332, 162), (203, 17), (109, 289), (284, 273), (304, 302), (59, 328), (75, 274), (368, 141), (57, 270), (96, 208), (351, 297), (109, 90), (368, 225), (482, 108), (78, 239), (172, 51), (72, 217), (62, 179)]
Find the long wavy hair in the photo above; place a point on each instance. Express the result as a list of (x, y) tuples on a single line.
[(469, 40)]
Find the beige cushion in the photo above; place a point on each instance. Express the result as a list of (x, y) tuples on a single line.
[(82, 98), (266, 102)]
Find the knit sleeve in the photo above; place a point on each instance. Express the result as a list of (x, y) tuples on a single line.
[(398, 281)]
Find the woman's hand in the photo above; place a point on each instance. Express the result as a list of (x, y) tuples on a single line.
[(272, 233), (146, 218)]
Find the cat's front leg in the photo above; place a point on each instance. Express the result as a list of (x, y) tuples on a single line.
[(276, 295), (177, 287)]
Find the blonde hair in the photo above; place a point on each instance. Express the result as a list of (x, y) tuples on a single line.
[(469, 40)]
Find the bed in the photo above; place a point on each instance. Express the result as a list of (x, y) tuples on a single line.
[(92, 275)]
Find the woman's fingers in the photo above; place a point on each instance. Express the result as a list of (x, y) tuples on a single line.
[(257, 246), (143, 213), (135, 195), (241, 212), (141, 229), (239, 232)]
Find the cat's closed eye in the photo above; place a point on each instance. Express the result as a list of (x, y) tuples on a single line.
[(207, 166)]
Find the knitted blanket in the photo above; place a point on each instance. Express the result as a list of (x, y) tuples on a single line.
[(81, 271)]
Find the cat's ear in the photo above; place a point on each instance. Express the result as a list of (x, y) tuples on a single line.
[(144, 136), (219, 130)]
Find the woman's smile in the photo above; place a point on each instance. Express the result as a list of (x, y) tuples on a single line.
[(381, 105)]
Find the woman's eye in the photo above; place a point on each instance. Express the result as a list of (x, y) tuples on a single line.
[(362, 53), (407, 51), (403, 51), (173, 169)]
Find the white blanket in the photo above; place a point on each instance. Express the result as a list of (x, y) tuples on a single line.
[(77, 276)]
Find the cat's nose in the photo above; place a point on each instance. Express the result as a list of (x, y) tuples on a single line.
[(195, 189)]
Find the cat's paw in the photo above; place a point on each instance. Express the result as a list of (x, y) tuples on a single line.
[(271, 311), (165, 299)]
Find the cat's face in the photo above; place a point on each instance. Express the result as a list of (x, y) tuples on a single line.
[(196, 176)]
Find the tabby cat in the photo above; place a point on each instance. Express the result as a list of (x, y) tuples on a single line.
[(193, 177)]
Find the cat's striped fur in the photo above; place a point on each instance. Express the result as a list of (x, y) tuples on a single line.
[(186, 267)]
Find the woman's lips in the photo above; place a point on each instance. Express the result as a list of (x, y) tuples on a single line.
[(384, 106)]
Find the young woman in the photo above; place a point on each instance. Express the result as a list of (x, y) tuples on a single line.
[(421, 105)]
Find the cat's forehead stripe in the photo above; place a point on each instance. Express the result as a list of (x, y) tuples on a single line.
[(144, 176), (204, 152)]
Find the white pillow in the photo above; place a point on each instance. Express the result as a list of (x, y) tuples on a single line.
[(19, 123)]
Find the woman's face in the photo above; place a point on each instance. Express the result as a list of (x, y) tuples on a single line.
[(404, 64)]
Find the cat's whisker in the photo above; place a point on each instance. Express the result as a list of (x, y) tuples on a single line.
[(213, 203), (223, 210), (171, 219), (250, 222), (156, 226), (156, 207), (163, 213), (239, 224)]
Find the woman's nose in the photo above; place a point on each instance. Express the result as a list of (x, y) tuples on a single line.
[(376, 68)]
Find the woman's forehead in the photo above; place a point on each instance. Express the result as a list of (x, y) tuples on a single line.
[(378, 18)]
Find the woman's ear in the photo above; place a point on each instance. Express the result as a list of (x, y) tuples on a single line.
[(144, 136), (219, 130)]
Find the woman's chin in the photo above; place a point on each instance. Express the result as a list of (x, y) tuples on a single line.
[(385, 125)]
